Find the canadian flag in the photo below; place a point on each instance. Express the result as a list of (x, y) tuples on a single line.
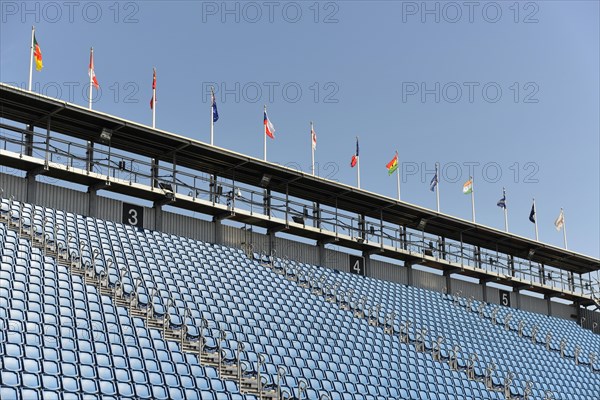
[(91, 72)]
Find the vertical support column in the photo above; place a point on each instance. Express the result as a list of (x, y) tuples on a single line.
[(484, 288), (174, 181), (409, 273), (29, 141), (571, 281), (157, 207), (89, 153), (267, 212), (442, 247), (367, 257), (31, 196), (218, 230), (267, 203), (321, 253), (549, 304), (92, 202), (362, 228), (154, 172), (447, 274), (272, 243), (511, 263), (316, 215)]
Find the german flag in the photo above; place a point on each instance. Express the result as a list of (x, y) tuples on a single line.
[(37, 54)]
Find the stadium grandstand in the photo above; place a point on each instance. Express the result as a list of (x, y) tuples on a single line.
[(184, 281)]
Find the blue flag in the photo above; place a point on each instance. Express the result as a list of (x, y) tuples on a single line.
[(434, 181), (502, 202), (215, 113), (532, 213)]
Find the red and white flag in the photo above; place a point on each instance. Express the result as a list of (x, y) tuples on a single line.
[(313, 135), (269, 128), (91, 72), (153, 99)]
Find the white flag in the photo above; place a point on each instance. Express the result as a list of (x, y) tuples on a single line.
[(560, 221)]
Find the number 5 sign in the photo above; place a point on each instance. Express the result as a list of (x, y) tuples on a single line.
[(505, 298), (133, 215), (357, 265)]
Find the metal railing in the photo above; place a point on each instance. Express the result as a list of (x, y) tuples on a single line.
[(181, 183)]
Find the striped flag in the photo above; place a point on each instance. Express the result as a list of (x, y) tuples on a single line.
[(37, 54), (468, 186), (434, 180), (392, 166), (354, 159), (153, 99), (269, 128)]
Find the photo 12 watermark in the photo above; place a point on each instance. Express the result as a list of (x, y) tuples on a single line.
[(455, 172), (455, 12), (52, 12), (127, 92), (326, 170), (470, 92), (272, 91), (253, 12)]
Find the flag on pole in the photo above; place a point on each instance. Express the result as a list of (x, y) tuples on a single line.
[(153, 99), (392, 166), (434, 180), (468, 186), (92, 73), (502, 202), (37, 54), (215, 112), (354, 159), (269, 128), (560, 221), (313, 136), (532, 213)]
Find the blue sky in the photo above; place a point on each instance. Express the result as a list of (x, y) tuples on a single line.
[(514, 89)]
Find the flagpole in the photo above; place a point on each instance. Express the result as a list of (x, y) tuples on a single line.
[(212, 115), (398, 174), (473, 197), (31, 59), (265, 139), (91, 75), (535, 221), (564, 228), (505, 211), (357, 167), (312, 148), (437, 186), (153, 99)]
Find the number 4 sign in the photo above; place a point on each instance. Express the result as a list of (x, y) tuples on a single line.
[(357, 265)]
